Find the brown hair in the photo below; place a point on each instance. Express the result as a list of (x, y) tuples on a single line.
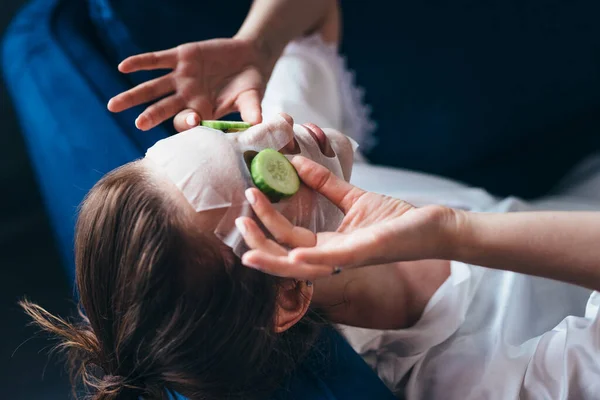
[(166, 307)]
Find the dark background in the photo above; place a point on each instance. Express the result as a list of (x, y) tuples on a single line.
[(29, 264)]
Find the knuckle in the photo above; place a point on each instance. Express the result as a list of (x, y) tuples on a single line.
[(153, 58), (149, 117), (159, 111), (322, 177), (148, 90), (185, 49), (180, 51), (282, 236)]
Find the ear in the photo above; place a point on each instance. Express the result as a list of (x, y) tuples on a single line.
[(292, 304)]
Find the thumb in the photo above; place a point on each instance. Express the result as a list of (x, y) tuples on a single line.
[(317, 177), (248, 104)]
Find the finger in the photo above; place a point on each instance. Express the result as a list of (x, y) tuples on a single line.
[(166, 59), (142, 93), (281, 266), (282, 230), (158, 113), (185, 120), (256, 239), (319, 178), (248, 104)]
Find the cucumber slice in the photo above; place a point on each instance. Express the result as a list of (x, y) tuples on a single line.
[(274, 175), (226, 126)]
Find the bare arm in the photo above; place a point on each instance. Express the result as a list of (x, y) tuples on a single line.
[(213, 78), (564, 246), (272, 24)]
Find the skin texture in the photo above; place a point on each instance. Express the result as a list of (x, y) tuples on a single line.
[(295, 296), (213, 78), (378, 229), (556, 245), (352, 298), (388, 296), (374, 219)]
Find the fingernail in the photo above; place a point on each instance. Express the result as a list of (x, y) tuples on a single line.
[(241, 226), (191, 120), (309, 283), (250, 196)]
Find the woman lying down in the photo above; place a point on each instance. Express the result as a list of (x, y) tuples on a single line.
[(168, 303)]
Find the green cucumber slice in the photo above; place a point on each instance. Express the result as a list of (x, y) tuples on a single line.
[(226, 126), (274, 175)]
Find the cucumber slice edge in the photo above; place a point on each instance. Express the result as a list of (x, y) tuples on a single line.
[(275, 187)]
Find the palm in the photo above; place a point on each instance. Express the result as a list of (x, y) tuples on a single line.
[(375, 219), (211, 78), (372, 208)]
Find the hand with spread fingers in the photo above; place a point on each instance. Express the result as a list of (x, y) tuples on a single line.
[(212, 78), (376, 230), (208, 80)]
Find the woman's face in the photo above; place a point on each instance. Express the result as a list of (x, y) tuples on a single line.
[(209, 169)]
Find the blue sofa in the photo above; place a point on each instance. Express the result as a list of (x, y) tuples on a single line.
[(60, 72), (59, 81)]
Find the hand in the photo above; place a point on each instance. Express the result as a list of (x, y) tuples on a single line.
[(376, 230), (208, 80)]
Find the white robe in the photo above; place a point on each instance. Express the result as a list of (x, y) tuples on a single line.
[(485, 334), (488, 334)]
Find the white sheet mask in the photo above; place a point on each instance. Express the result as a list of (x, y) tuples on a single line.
[(209, 168)]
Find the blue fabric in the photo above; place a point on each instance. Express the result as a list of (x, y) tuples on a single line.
[(499, 94), (334, 371), (60, 68), (60, 84)]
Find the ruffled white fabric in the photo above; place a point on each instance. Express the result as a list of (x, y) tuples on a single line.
[(488, 334), (312, 83)]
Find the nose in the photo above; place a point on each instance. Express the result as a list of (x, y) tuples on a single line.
[(288, 118), (290, 147), (277, 133)]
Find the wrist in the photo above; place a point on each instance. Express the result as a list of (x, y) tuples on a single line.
[(268, 48), (454, 227), (458, 235)]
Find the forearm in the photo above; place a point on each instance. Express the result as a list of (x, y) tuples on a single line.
[(274, 23), (563, 246)]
